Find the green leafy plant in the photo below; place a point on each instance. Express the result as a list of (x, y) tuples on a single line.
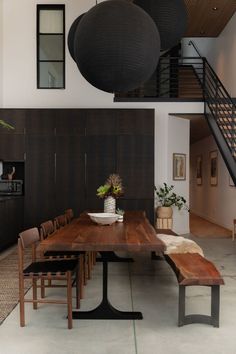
[(112, 187), (120, 212), (5, 125), (167, 198)]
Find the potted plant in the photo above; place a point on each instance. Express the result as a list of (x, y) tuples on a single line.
[(166, 199), (120, 212), (5, 125), (110, 191)]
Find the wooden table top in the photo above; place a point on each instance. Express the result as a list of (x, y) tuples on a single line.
[(134, 234)]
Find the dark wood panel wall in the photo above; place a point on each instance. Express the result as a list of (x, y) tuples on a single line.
[(68, 153)]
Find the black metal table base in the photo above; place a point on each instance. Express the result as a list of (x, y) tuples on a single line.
[(112, 257), (105, 311)]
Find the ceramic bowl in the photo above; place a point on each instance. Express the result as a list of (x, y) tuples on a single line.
[(103, 218)]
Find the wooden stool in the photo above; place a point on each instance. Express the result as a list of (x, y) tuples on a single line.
[(164, 223)]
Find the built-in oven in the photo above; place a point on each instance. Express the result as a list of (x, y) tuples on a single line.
[(11, 187)]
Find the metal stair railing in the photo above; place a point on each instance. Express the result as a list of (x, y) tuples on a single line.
[(220, 112), (192, 78), (169, 80)]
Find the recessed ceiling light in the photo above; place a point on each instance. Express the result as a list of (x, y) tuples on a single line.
[(215, 8)]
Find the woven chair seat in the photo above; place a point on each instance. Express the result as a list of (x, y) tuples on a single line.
[(52, 267), (63, 254)]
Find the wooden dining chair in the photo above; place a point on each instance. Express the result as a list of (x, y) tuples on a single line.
[(44, 270), (47, 229), (69, 215), (60, 221), (89, 257)]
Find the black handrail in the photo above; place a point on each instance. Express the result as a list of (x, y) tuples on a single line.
[(212, 71), (222, 114), (193, 77), (194, 46)]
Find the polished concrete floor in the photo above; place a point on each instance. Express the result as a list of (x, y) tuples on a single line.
[(147, 286)]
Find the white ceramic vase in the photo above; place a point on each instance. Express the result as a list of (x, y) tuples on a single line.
[(110, 205)]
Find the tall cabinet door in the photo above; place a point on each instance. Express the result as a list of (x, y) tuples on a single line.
[(135, 159), (39, 167), (70, 161), (101, 152)]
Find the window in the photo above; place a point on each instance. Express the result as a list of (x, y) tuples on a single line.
[(50, 46)]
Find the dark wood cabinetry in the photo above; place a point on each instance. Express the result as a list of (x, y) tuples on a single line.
[(70, 152), (39, 179), (70, 164), (12, 141), (11, 220)]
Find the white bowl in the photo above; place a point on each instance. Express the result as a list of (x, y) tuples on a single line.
[(103, 218)]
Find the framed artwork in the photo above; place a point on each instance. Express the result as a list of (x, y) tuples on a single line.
[(199, 170), (231, 182), (179, 167), (214, 168)]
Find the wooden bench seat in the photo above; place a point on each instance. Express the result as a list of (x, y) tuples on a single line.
[(193, 269)]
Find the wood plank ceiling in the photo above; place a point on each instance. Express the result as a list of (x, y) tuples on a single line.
[(207, 18)]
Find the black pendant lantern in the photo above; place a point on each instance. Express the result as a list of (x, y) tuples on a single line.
[(170, 17), (71, 36), (116, 46)]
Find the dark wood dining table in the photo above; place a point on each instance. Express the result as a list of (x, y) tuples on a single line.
[(135, 234)]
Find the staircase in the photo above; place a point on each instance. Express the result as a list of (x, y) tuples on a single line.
[(226, 120), (188, 84), (193, 79)]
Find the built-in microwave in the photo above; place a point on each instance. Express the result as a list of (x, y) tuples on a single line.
[(13, 187)]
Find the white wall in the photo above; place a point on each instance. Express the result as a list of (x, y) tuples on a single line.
[(19, 84), (220, 52), (214, 203), (180, 128), (20, 60)]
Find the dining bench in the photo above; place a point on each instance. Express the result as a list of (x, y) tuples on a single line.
[(192, 269)]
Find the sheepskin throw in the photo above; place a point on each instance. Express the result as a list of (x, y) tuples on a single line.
[(178, 244)]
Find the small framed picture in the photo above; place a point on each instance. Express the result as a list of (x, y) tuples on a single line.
[(199, 170), (179, 167), (231, 182), (214, 168)]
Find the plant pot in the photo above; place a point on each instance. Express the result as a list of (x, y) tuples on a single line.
[(164, 212), (110, 205)]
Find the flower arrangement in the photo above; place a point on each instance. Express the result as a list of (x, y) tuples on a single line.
[(167, 197), (112, 187)]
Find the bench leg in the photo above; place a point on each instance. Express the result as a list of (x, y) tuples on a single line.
[(181, 315), (215, 305), (196, 318)]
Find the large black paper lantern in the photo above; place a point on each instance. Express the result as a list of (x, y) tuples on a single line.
[(170, 17), (71, 36), (116, 46)]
